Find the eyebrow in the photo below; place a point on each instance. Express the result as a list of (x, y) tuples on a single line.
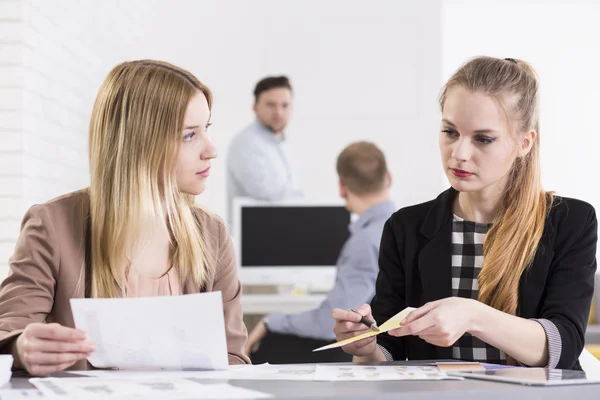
[(198, 126), (478, 131)]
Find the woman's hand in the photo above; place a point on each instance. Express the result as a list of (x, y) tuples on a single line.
[(256, 336), (348, 325), (441, 322), (43, 349)]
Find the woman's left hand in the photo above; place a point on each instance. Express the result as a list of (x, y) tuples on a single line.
[(441, 322), (256, 336)]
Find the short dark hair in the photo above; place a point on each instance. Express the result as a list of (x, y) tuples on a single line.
[(271, 82), (362, 167)]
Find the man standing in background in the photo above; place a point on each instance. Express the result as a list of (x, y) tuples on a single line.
[(258, 162), (364, 183)]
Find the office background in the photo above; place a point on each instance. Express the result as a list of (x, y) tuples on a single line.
[(360, 70)]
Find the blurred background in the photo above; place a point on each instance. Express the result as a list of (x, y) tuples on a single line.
[(360, 71)]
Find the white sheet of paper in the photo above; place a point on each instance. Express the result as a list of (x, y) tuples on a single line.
[(122, 373), (279, 372), (20, 394), (287, 372), (6, 363), (165, 332), (378, 373), (142, 388)]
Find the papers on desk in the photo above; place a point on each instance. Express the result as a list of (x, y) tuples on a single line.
[(6, 362), (166, 332), (143, 388), (282, 372), (287, 372), (378, 373), (388, 325), (20, 394)]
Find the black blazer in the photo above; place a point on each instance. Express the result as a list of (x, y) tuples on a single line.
[(415, 268)]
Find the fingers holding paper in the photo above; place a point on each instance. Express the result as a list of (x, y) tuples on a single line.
[(348, 325), (441, 322), (46, 348)]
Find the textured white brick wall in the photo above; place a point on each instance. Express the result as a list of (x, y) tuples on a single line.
[(54, 55)]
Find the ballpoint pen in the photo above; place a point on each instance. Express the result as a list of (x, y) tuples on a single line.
[(367, 322)]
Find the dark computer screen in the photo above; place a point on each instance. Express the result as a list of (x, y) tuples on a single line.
[(292, 236)]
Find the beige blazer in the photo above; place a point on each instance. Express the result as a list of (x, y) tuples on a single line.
[(48, 268)]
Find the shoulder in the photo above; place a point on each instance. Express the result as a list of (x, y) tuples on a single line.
[(213, 226), (66, 210), (567, 216), (566, 208), (411, 215), (247, 138)]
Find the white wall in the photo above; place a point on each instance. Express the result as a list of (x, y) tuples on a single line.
[(53, 57), (360, 71), (561, 40)]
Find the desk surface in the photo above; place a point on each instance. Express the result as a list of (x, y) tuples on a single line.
[(466, 389)]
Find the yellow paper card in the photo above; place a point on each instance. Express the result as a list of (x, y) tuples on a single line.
[(388, 325)]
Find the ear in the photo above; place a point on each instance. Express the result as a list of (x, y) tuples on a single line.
[(254, 108), (389, 180), (343, 189), (527, 142)]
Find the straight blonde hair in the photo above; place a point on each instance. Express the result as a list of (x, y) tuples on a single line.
[(134, 137), (512, 241)]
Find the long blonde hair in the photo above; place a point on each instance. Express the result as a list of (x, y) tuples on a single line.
[(135, 133), (512, 241)]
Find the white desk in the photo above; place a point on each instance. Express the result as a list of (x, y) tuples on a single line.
[(261, 304)]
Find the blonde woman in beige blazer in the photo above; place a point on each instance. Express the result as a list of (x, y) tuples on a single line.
[(134, 232)]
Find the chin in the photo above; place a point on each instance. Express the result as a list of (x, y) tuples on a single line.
[(194, 191), (461, 185)]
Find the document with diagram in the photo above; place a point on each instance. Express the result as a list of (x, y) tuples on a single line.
[(166, 332)]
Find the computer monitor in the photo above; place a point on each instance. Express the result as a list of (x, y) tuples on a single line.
[(294, 242)]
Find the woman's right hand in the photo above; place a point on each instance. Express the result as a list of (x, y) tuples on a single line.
[(43, 349), (348, 325)]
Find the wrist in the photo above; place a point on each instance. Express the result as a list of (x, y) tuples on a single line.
[(477, 317), (17, 364)]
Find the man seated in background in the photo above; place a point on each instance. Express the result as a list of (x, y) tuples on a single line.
[(258, 162), (364, 183)]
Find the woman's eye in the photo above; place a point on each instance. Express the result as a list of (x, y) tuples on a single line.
[(450, 132), (485, 140), (189, 136)]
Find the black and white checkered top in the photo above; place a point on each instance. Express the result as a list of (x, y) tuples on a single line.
[(467, 258)]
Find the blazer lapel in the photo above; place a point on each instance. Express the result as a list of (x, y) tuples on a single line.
[(435, 258)]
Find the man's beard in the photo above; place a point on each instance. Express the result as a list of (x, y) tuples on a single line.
[(272, 129)]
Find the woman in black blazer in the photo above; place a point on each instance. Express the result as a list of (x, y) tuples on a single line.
[(499, 270)]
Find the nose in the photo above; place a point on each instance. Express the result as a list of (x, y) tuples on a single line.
[(461, 150), (209, 151), (280, 112)]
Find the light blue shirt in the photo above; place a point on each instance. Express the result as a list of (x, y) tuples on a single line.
[(259, 167), (355, 280)]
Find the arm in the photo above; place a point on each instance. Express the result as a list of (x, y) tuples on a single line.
[(556, 338), (389, 291), (228, 283), (354, 285), (567, 295), (523, 339), (27, 294), (251, 170)]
